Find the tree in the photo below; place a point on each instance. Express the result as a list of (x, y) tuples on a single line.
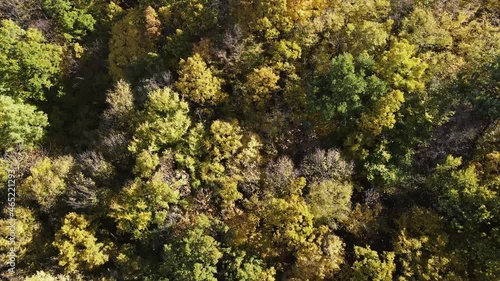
[(382, 114), (421, 247), (245, 267), (330, 201), (369, 265), (197, 82), (226, 139), (72, 17), (479, 88), (121, 112), (146, 163), (355, 107), (424, 29), (148, 199), (194, 256), (47, 181), (261, 83), (132, 44), (190, 153), (470, 203), (348, 89), (20, 124), (78, 247), (275, 227), (130, 211), (152, 23), (319, 257), (268, 19), (45, 276), (231, 160), (164, 121), (367, 35), (326, 165), (139, 204), (279, 174), (401, 69), (287, 223), (188, 22), (29, 66), (330, 190), (25, 229)]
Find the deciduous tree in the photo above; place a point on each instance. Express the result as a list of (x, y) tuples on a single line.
[(77, 245), (197, 83), (29, 66), (20, 124)]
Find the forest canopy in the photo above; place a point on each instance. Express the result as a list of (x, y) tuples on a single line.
[(197, 140)]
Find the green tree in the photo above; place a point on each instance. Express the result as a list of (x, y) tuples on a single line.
[(478, 88), (20, 124), (194, 256), (354, 107), (72, 17), (470, 203), (245, 267), (164, 121), (348, 88), (29, 66)]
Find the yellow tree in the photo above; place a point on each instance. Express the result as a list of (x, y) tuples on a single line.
[(77, 245), (261, 84), (47, 181), (401, 68), (25, 228), (421, 247), (231, 159), (133, 41), (197, 83), (369, 265), (319, 258)]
